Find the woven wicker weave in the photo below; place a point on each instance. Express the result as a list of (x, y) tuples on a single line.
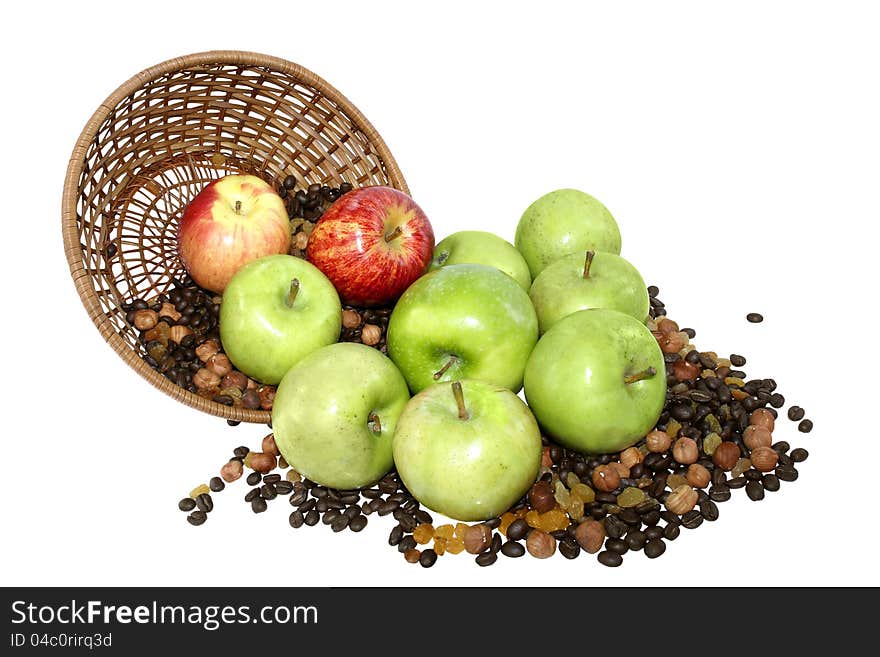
[(166, 132)]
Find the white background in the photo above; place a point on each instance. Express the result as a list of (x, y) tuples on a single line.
[(738, 148)]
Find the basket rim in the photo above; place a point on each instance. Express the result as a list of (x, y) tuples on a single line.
[(70, 232)]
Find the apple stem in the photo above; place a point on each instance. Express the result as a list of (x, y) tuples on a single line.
[(446, 366), (238, 207), (394, 234), (459, 399), (588, 262), (442, 258), (292, 292), (374, 423), (639, 376)]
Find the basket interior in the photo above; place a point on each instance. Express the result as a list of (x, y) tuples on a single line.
[(146, 155)]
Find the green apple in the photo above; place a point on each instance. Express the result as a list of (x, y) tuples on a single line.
[(596, 381), (463, 321), (592, 280), (482, 248), (469, 450), (562, 222), (335, 412), (276, 310)]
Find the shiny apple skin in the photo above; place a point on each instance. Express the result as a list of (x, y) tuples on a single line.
[(214, 241), (348, 244)]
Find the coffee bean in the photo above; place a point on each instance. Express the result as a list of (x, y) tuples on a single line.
[(357, 523), (569, 548), (283, 487), (788, 473), (795, 413), (719, 493), (777, 400), (616, 545), (298, 497), (406, 543), (216, 484), (518, 530), (311, 518), (671, 532), (615, 528), (258, 505), (321, 505), (254, 478), (340, 523), (388, 507), (635, 540), (428, 558), (806, 426), (186, 504), (737, 482), (273, 478), (296, 519), (330, 516), (352, 512), (692, 519), (755, 491), (423, 516), (770, 482), (781, 447), (753, 475), (197, 518), (268, 492), (495, 546), (252, 494), (610, 559), (799, 455), (205, 503), (755, 318), (655, 548), (396, 535), (709, 510), (736, 360), (486, 558)]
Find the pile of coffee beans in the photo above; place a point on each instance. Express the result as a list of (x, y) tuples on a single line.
[(715, 436), (305, 206)]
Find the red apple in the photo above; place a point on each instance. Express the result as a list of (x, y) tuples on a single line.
[(231, 222), (372, 244)]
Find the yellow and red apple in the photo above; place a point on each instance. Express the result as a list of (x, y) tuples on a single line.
[(231, 222), (372, 244)]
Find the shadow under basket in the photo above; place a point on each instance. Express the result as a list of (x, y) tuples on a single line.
[(160, 138)]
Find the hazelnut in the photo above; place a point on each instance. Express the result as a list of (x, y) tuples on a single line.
[(764, 458), (351, 319), (207, 349), (541, 496), (145, 319), (269, 446), (371, 334), (698, 476), (205, 379), (590, 535), (477, 538), (621, 470), (681, 500), (231, 471), (763, 418), (252, 385), (301, 241), (630, 456), (685, 451), (179, 332), (756, 436), (235, 379), (667, 326), (546, 461), (168, 310), (685, 371), (726, 455), (219, 364), (658, 441), (605, 479), (540, 544), (250, 399), (267, 397), (672, 343), (262, 462)]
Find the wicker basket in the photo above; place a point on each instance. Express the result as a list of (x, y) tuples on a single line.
[(154, 144)]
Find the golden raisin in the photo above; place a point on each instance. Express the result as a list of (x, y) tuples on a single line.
[(423, 533), (444, 531), (454, 546)]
